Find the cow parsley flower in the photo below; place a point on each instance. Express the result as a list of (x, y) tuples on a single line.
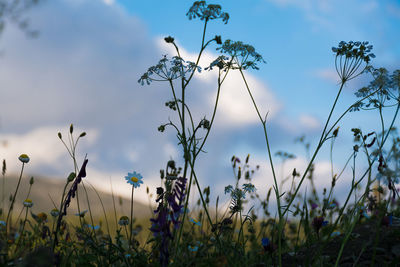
[(249, 188)]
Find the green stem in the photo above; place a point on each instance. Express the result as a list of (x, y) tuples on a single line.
[(131, 222), (13, 199)]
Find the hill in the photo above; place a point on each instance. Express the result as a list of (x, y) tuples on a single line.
[(46, 194)]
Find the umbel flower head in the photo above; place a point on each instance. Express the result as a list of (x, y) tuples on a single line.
[(350, 57), (24, 158), (242, 56), (134, 179), (207, 12)]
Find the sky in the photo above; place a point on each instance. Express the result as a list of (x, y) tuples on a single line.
[(84, 66)]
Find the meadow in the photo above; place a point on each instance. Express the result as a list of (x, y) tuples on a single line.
[(309, 228)]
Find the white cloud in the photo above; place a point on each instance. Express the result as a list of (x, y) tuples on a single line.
[(309, 122), (235, 108), (109, 2), (43, 147), (328, 75)]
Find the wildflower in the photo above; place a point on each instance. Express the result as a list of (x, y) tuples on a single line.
[(336, 233), (54, 212), (249, 188), (206, 12), (24, 158), (267, 245), (41, 217), (81, 214), (193, 248), (333, 205), (364, 213), (245, 55), (238, 194), (314, 206), (2, 223), (318, 222), (28, 203), (387, 220), (265, 241), (194, 221), (93, 227), (124, 220), (72, 191), (353, 54), (128, 256), (134, 179), (218, 39), (228, 189), (168, 208)]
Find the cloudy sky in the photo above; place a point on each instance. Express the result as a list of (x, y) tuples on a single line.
[(84, 66)]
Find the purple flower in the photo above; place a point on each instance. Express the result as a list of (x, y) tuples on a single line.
[(387, 220), (267, 245), (314, 206), (318, 222), (265, 241), (168, 211)]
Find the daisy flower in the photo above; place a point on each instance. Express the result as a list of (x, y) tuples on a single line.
[(24, 158), (194, 221), (54, 212), (28, 203), (134, 179), (124, 220)]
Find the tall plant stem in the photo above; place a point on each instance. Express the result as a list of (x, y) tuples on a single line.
[(276, 188), (13, 199), (131, 222)]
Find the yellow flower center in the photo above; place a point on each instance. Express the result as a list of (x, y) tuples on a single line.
[(134, 179)]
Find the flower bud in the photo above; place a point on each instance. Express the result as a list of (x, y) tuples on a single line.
[(71, 177), (169, 39)]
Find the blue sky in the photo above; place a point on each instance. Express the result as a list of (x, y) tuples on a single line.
[(84, 66)]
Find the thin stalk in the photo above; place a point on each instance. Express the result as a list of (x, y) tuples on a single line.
[(13, 199), (131, 222), (280, 227)]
